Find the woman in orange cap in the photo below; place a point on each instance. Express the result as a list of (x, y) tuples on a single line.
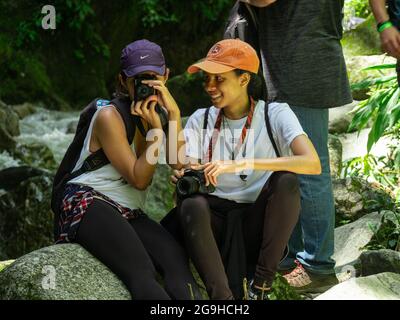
[(242, 228)]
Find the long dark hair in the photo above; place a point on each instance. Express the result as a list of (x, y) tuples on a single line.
[(256, 87), (120, 90)]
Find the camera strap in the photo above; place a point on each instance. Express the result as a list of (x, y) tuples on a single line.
[(217, 129)]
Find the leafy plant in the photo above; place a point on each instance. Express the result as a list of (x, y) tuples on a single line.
[(357, 8), (382, 108)]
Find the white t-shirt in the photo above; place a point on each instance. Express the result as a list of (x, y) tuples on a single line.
[(257, 145), (107, 179)]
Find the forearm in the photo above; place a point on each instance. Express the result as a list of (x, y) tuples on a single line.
[(379, 10), (174, 143), (298, 164), (145, 165)]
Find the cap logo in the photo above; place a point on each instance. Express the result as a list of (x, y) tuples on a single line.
[(216, 49), (144, 57)]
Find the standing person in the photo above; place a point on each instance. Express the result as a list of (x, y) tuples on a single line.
[(256, 201), (303, 64), (102, 209), (388, 23)]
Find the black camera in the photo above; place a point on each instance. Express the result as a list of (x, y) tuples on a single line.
[(193, 181), (143, 91)]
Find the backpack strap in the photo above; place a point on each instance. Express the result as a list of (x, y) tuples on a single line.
[(98, 159), (269, 130)]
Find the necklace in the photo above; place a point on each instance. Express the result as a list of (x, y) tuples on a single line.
[(217, 128)]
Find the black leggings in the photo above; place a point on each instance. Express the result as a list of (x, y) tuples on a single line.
[(134, 250), (267, 226)]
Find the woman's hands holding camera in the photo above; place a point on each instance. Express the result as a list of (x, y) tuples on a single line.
[(146, 110), (164, 97), (211, 170)]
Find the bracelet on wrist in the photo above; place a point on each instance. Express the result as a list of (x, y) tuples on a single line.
[(384, 25)]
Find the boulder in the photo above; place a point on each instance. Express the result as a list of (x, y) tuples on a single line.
[(383, 286), (5, 264), (24, 110), (335, 155), (355, 66), (60, 272), (340, 118), (355, 197), (363, 40), (355, 145), (160, 197), (351, 238), (9, 127), (377, 261), (35, 154), (26, 221)]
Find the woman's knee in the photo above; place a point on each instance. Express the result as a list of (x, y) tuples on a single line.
[(285, 181), (193, 208)]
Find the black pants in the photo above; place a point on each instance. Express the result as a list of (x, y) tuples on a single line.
[(134, 250), (267, 226)]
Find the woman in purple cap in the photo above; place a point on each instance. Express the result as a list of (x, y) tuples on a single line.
[(102, 208)]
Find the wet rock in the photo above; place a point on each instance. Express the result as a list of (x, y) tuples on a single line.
[(377, 261), (9, 127), (60, 272), (26, 221), (24, 110)]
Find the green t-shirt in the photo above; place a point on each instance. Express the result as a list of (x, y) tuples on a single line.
[(300, 44)]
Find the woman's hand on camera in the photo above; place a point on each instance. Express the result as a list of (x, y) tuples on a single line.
[(213, 169), (177, 174), (165, 98), (146, 110)]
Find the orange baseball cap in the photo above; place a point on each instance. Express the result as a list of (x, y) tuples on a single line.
[(227, 55)]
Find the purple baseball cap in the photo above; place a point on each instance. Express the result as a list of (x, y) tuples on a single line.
[(142, 55)]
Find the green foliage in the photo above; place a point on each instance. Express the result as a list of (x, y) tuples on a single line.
[(383, 109), (281, 290), (357, 8), (383, 106), (157, 12), (387, 236)]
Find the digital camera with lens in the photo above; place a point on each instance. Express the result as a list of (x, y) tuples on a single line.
[(143, 91), (193, 181)]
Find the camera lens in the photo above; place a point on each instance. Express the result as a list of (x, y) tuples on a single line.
[(187, 186)]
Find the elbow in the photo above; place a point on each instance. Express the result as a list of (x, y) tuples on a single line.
[(140, 185), (316, 167)]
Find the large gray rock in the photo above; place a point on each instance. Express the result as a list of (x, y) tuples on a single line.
[(60, 272), (354, 197), (26, 222), (355, 145), (383, 286), (340, 118), (363, 40), (377, 261), (351, 238)]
